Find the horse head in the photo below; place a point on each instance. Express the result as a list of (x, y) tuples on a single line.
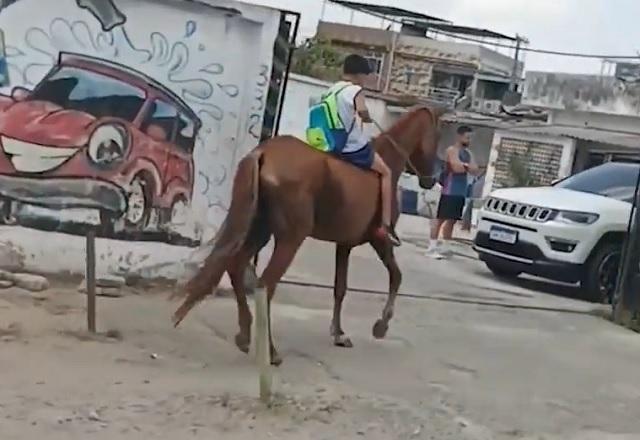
[(424, 124)]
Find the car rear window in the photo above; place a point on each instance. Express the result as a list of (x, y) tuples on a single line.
[(616, 180)]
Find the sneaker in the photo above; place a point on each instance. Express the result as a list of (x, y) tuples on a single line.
[(433, 251), (445, 249)]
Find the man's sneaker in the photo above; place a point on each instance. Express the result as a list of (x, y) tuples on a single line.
[(445, 249), (433, 251)]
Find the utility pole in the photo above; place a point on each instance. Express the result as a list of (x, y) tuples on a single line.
[(513, 84)]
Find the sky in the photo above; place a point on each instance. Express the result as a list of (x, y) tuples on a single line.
[(584, 26)]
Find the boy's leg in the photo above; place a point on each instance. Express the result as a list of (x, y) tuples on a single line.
[(381, 168)]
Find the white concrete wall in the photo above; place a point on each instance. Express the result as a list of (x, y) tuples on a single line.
[(566, 160), (623, 123), (218, 62)]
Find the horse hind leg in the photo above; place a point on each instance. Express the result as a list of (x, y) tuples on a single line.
[(339, 292), (385, 253), (244, 280), (237, 273), (283, 254)]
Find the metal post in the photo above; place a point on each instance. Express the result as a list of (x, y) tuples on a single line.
[(285, 82), (513, 83), (91, 280), (263, 353), (625, 297)]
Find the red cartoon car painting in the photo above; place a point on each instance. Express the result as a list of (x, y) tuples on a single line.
[(98, 135)]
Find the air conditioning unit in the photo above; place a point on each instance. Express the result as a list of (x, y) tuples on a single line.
[(491, 106)]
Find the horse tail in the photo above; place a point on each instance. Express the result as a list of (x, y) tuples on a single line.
[(232, 234)]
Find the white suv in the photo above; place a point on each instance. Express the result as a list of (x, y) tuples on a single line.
[(572, 231)]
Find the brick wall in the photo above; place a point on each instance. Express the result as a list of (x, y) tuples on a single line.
[(410, 76)]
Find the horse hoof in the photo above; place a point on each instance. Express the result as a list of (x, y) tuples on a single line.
[(380, 329), (342, 341), (242, 342)]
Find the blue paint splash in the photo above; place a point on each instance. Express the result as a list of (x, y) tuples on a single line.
[(191, 27)]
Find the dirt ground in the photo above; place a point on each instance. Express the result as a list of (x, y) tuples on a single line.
[(143, 379), (446, 371)]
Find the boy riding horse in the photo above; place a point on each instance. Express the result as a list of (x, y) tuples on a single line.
[(344, 112)]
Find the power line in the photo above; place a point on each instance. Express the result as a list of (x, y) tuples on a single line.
[(543, 51), (502, 45)]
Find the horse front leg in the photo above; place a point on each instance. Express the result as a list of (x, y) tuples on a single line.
[(339, 292), (386, 255)]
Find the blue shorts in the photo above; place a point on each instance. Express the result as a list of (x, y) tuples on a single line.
[(362, 158)]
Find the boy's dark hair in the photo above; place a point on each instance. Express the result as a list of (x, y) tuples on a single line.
[(464, 129), (356, 65)]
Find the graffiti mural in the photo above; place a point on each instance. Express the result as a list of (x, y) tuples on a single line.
[(112, 123)]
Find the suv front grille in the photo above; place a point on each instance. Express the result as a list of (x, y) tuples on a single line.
[(518, 210)]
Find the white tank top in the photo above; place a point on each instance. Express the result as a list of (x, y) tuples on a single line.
[(346, 101)]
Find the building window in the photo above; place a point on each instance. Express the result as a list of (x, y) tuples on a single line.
[(375, 61), (413, 77)]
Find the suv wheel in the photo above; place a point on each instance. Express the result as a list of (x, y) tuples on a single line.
[(502, 271), (601, 273)]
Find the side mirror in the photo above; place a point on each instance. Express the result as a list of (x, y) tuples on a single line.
[(20, 93)]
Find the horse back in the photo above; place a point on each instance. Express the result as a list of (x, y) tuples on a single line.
[(342, 201)]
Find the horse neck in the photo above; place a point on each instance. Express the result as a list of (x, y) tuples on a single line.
[(407, 137)]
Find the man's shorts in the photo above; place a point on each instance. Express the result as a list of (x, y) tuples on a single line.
[(362, 158), (450, 207)]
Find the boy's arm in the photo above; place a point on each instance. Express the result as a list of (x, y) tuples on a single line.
[(361, 108)]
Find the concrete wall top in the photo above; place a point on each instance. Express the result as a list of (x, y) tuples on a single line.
[(589, 93)]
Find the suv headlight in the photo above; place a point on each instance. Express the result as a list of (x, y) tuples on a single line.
[(575, 217)]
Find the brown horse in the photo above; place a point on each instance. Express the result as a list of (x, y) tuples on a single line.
[(287, 190)]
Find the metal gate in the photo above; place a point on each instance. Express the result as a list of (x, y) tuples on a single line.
[(282, 53)]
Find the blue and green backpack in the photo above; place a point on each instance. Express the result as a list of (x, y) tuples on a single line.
[(326, 130)]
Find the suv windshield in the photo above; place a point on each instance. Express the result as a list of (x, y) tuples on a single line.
[(614, 179), (99, 95)]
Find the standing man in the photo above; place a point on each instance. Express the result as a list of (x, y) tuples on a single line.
[(458, 165)]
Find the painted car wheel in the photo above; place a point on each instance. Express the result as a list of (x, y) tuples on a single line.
[(138, 206)]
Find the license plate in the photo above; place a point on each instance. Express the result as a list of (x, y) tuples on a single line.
[(503, 235)]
